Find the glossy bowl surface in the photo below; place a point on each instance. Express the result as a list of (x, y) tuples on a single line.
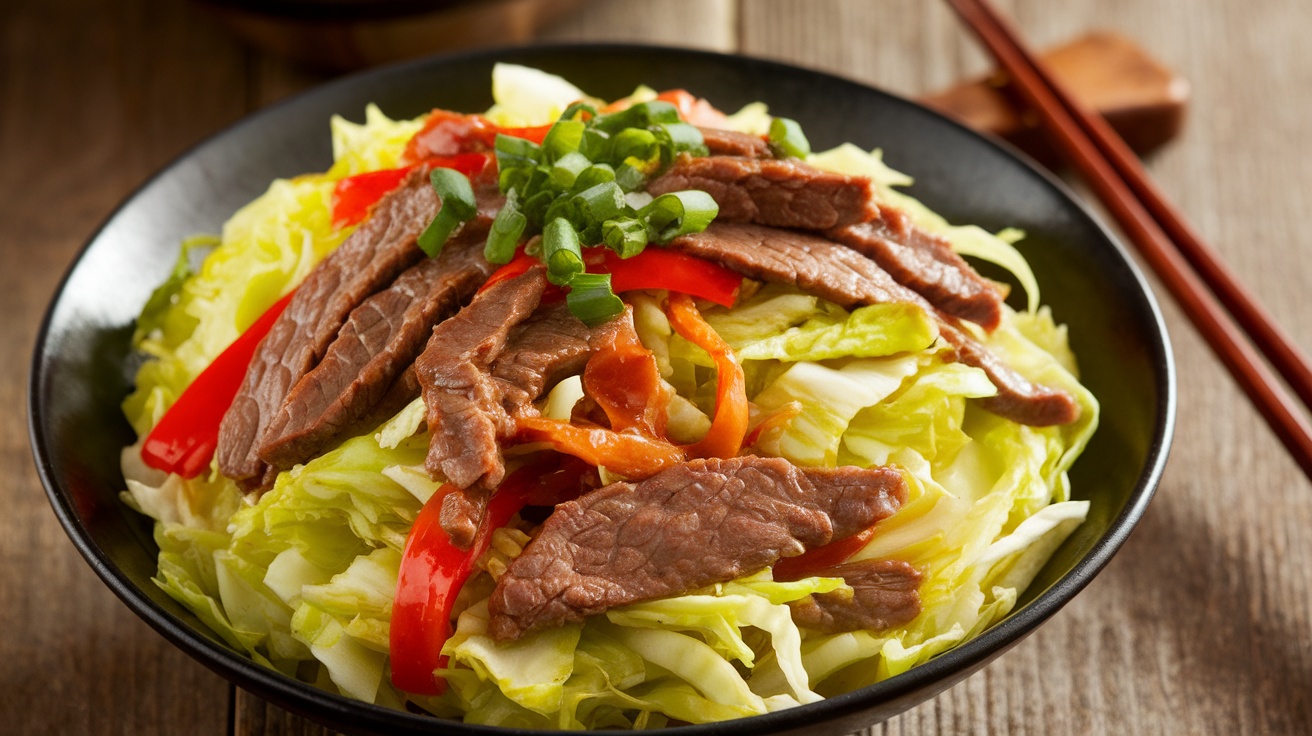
[(82, 367)]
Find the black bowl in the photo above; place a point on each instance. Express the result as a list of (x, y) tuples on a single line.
[(82, 367)]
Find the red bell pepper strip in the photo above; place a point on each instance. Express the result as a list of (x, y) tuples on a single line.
[(517, 266), (654, 268), (353, 196), (536, 134), (186, 436), (433, 570), (729, 426), (821, 558), (661, 268), (448, 133)]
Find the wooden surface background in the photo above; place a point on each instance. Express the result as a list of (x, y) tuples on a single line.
[(1202, 624)]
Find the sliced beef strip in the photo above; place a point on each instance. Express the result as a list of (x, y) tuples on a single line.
[(790, 193), (849, 279), (544, 348), (382, 247), (925, 264), (380, 339), (699, 523), (532, 360), (732, 143), (778, 192), (548, 346), (464, 404), (885, 594)]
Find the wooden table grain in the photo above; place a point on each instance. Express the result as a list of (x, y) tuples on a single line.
[(1202, 624)]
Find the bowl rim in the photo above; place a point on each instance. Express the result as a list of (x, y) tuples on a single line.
[(349, 714)]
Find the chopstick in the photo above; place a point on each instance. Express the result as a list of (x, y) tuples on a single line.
[(1170, 246)]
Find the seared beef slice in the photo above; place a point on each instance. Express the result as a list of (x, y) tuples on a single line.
[(721, 142), (927, 265), (372, 256), (702, 522), (885, 594), (465, 416), (380, 339), (778, 192)]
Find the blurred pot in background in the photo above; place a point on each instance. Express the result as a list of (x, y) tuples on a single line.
[(341, 35)]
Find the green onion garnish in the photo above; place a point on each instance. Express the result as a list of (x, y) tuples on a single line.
[(594, 175), (457, 206), (563, 138), (561, 251), (626, 236), (573, 111), (576, 190), (515, 152), (678, 213), (567, 169), (681, 138), (591, 299), (506, 231), (630, 178), (787, 136), (640, 115)]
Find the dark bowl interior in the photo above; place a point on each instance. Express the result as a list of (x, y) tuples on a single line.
[(82, 367)]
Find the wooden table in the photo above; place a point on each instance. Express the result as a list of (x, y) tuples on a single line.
[(1202, 624)]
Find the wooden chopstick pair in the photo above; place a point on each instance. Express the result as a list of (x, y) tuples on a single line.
[(1183, 262)]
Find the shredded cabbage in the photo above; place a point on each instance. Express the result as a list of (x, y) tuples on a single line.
[(302, 580)]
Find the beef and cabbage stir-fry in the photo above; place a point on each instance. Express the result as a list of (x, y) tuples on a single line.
[(599, 414)]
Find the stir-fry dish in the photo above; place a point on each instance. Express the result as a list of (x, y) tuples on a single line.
[(599, 414)]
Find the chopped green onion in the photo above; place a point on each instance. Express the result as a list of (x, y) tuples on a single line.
[(605, 201), (679, 213), (629, 177), (535, 207), (626, 236), (787, 136), (640, 115), (594, 175), (596, 145), (561, 251), (573, 110), (635, 143), (457, 206), (515, 152), (681, 138), (591, 299), (563, 138), (506, 231), (567, 169), (514, 179)]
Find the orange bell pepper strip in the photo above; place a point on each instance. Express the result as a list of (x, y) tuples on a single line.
[(624, 379), (629, 453), (729, 425)]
